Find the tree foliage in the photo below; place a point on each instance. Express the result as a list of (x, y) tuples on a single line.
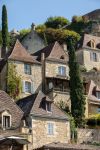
[(76, 87), (14, 86), (56, 22), (59, 35), (5, 36)]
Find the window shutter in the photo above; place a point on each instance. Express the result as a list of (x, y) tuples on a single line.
[(32, 88), (97, 57), (91, 56), (23, 86)]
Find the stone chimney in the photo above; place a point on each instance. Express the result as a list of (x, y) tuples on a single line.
[(43, 71), (33, 26)]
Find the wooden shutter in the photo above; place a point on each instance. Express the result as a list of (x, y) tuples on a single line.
[(91, 56), (23, 86), (32, 88)]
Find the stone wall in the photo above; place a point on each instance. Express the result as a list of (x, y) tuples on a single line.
[(40, 134), (32, 42), (35, 78), (91, 135), (52, 68), (86, 61)]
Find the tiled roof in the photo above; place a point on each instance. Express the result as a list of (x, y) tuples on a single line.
[(8, 104), (35, 105), (54, 51), (19, 53)]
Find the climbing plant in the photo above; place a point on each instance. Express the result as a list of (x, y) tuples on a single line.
[(14, 86)]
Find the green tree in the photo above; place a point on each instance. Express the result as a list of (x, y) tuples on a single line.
[(56, 22), (5, 36), (0, 38), (59, 35), (14, 86), (76, 87)]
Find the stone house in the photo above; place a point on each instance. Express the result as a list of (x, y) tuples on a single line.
[(28, 68), (32, 41), (55, 72), (10, 123), (47, 123), (93, 99), (88, 52)]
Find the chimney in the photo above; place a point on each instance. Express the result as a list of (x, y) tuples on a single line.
[(33, 27), (43, 71), (64, 47)]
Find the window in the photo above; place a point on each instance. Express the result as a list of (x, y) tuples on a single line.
[(28, 87), (48, 106), (93, 56), (98, 94), (6, 122), (98, 110), (27, 69), (50, 128), (91, 44), (62, 70)]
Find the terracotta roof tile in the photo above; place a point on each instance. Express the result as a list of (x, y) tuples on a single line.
[(19, 53)]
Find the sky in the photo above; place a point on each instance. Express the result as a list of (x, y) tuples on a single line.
[(21, 13)]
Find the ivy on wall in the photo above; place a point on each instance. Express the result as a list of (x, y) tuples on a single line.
[(14, 85)]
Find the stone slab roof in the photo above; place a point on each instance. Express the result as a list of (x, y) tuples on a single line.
[(19, 53), (8, 104), (94, 15), (35, 105), (52, 51)]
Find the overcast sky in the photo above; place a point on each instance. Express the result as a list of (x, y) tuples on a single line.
[(21, 13)]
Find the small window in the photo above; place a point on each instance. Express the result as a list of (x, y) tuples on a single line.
[(6, 122), (50, 128), (62, 57), (27, 69), (28, 87), (62, 70), (91, 44), (93, 56), (48, 106), (98, 110), (98, 95)]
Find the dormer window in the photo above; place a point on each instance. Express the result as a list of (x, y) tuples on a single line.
[(98, 94), (91, 44), (48, 106), (62, 57), (6, 120)]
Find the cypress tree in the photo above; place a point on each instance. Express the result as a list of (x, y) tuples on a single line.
[(4, 30), (76, 87)]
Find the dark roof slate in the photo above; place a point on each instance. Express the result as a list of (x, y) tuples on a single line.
[(35, 105)]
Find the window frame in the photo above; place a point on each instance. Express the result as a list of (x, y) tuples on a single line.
[(98, 94), (6, 117), (50, 128), (27, 88), (62, 70), (27, 69)]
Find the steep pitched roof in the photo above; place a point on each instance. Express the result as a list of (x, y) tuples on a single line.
[(87, 38), (53, 50), (92, 88), (94, 15), (19, 53), (35, 105), (8, 104)]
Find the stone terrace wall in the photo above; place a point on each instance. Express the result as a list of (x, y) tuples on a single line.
[(91, 135)]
